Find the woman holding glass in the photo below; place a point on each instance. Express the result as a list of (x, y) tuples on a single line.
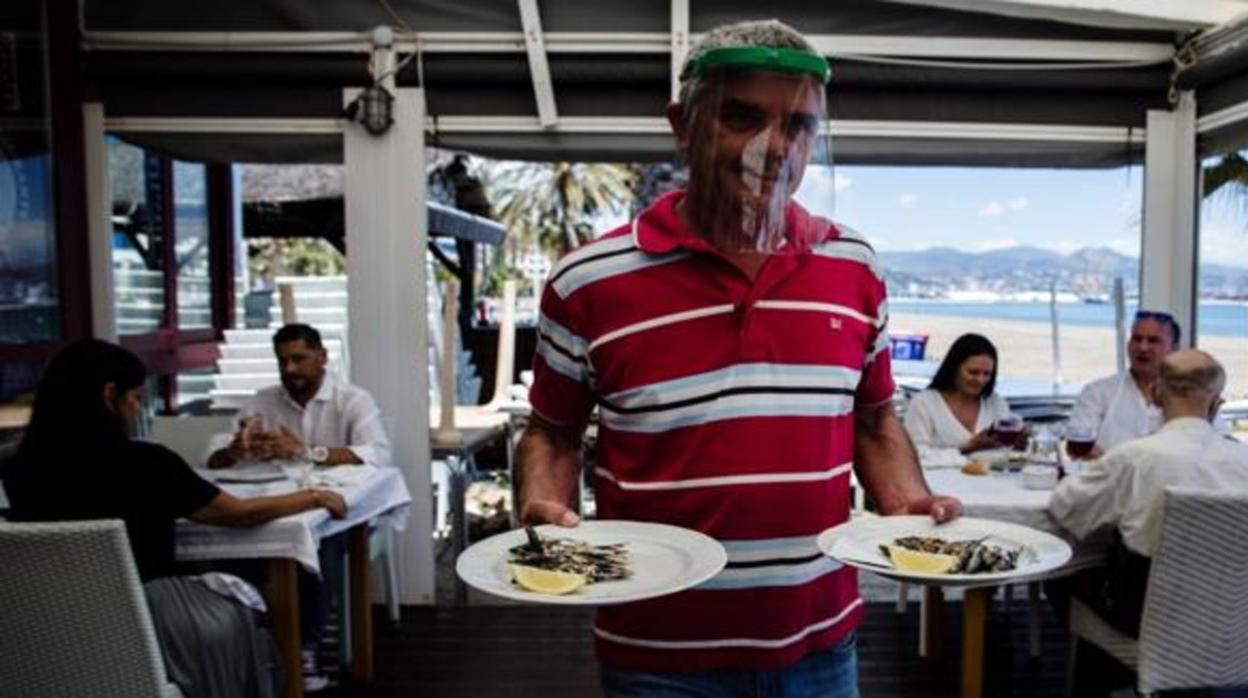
[(77, 461), (960, 409)]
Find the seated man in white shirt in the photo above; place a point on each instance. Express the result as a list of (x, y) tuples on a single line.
[(1120, 408), (1125, 488), (310, 415)]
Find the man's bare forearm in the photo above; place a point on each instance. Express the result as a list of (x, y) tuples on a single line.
[(885, 460), (548, 465)]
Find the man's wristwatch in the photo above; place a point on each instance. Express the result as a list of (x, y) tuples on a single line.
[(319, 454)]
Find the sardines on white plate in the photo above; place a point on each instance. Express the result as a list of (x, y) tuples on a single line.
[(597, 563), (974, 556)]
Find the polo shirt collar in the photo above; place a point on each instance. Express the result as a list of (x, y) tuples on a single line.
[(660, 230)]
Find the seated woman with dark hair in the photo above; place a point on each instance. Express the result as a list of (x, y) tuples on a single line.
[(76, 461), (959, 407)]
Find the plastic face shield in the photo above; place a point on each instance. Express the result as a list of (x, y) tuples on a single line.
[(751, 128)]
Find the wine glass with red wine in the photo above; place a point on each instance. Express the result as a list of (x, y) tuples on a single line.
[(1008, 429), (1080, 441)]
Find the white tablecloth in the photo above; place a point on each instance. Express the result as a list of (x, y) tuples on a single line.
[(382, 497), (1001, 496), (997, 495)]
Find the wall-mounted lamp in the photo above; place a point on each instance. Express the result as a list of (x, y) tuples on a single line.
[(374, 109)]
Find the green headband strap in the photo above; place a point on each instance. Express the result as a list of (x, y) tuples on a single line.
[(782, 60)]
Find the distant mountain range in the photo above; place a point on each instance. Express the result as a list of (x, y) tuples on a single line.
[(1090, 272)]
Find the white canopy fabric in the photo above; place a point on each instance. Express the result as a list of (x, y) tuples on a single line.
[(1058, 83), (1113, 14)]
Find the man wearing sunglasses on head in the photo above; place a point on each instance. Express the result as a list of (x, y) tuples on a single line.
[(1119, 408)]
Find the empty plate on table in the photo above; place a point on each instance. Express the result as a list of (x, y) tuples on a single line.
[(660, 559), (857, 543), (256, 473)]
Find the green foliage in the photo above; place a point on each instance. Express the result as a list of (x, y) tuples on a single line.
[(496, 273), (552, 205), (270, 257), (1227, 181)]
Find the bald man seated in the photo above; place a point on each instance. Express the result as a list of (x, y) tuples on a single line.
[(1125, 488)]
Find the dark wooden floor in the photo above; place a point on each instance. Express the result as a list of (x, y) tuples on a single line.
[(520, 651)]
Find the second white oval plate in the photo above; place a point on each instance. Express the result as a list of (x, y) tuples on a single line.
[(857, 543)]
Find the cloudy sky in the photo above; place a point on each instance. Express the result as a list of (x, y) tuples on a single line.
[(976, 209)]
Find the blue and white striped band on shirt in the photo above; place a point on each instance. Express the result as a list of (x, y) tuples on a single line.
[(742, 390), (771, 562), (601, 260), (562, 350)]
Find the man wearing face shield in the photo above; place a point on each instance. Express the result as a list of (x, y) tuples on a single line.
[(736, 347)]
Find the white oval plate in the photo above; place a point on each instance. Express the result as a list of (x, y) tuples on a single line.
[(251, 473), (857, 543), (663, 560)]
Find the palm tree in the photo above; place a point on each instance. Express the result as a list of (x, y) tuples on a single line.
[(1227, 179), (553, 205)]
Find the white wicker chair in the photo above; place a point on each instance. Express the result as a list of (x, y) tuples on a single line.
[(1194, 631), (76, 621)]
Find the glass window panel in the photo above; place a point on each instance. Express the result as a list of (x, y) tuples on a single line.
[(194, 388), (138, 238), (984, 250), (28, 286), (1222, 309), (18, 381), (190, 201)]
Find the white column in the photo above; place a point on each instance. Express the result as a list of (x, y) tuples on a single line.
[(240, 279), (385, 235), (1168, 250), (99, 223), (679, 42)]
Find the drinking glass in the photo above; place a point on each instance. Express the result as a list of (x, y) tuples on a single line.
[(1044, 444), (1008, 429), (1080, 441), (297, 470)]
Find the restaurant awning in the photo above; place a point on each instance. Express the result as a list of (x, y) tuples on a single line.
[(307, 201), (948, 82)]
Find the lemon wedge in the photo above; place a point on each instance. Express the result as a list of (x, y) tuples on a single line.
[(547, 581), (907, 560)]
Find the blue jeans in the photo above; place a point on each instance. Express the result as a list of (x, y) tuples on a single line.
[(832, 673)]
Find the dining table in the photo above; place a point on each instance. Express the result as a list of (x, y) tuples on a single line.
[(1000, 494), (376, 497)]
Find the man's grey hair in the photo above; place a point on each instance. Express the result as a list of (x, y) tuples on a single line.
[(767, 33), (1204, 380)]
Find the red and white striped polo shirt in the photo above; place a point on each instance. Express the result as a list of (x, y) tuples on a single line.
[(726, 407)]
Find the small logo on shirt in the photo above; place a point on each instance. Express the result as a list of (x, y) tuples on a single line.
[(834, 323)]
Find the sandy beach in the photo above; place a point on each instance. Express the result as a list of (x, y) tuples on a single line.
[(1087, 353)]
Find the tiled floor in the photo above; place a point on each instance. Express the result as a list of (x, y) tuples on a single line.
[(481, 651)]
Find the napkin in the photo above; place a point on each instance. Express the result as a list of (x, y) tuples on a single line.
[(341, 475), (232, 587)]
